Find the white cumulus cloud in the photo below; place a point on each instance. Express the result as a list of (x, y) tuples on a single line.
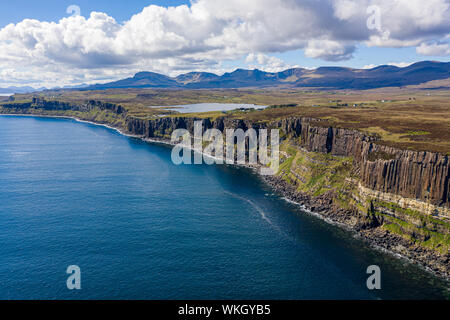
[(434, 49), (206, 33), (329, 50), (266, 63)]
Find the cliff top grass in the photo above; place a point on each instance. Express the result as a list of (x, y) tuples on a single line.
[(414, 118)]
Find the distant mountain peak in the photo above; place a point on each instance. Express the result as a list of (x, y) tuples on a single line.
[(330, 77), (147, 74)]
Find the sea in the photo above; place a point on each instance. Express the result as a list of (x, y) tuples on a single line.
[(140, 227)]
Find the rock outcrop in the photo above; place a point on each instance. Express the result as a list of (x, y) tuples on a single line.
[(401, 197), (54, 105), (410, 174)]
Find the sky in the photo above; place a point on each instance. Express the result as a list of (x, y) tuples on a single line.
[(59, 43)]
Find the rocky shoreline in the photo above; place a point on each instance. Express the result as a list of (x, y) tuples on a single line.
[(366, 228)]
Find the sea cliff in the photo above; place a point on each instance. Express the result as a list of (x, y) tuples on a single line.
[(396, 199)]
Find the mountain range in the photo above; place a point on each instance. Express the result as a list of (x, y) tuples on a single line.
[(28, 89), (323, 77), (14, 89)]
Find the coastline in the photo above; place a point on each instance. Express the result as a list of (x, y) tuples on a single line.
[(312, 206), (378, 241)]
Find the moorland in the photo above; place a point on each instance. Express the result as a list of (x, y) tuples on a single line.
[(412, 117)]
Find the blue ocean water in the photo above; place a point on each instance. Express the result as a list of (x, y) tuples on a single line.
[(140, 227)]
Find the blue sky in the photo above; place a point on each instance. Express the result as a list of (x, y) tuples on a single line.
[(335, 36), (53, 10)]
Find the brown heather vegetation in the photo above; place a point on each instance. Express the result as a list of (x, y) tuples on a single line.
[(415, 118)]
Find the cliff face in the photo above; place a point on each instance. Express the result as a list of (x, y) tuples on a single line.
[(88, 106), (163, 127), (397, 199), (53, 105), (410, 174), (419, 175)]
